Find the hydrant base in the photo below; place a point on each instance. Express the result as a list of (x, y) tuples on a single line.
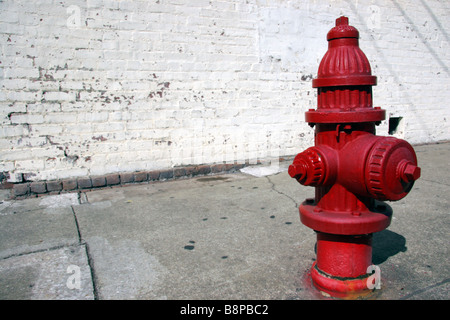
[(343, 288)]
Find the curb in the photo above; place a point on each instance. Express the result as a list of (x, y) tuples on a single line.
[(51, 187)]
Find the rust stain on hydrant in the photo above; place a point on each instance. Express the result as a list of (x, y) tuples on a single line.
[(353, 170)]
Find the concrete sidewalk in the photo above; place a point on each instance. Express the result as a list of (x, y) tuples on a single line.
[(233, 236)]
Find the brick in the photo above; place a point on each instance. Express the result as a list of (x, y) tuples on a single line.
[(216, 168), (98, 182), (228, 167), (59, 96), (126, 178), (140, 176), (84, 183), (222, 167), (54, 186), (190, 171), (153, 175), (6, 185), (20, 118), (69, 184), (21, 189), (203, 169), (38, 187), (179, 172), (112, 179), (165, 174)]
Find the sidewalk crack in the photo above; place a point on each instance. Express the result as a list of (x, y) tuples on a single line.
[(425, 289), (280, 192), (436, 182), (57, 247)]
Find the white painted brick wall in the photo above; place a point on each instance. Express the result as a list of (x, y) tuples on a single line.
[(91, 87)]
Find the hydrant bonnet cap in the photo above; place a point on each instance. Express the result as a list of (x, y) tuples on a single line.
[(344, 64), (342, 30)]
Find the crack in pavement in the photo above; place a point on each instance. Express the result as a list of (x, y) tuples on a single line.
[(425, 289), (436, 182), (52, 248), (280, 192)]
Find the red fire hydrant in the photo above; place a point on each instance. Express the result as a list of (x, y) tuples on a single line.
[(353, 170)]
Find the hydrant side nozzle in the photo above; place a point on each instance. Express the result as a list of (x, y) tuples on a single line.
[(315, 166), (297, 171), (391, 169)]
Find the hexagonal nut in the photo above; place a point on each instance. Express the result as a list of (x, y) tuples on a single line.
[(411, 172)]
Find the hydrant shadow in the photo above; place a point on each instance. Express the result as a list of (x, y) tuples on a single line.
[(386, 244)]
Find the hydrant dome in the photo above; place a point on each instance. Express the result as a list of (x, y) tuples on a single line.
[(344, 64), (344, 81)]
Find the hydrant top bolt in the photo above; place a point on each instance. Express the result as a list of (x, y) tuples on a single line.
[(342, 30), (341, 20)]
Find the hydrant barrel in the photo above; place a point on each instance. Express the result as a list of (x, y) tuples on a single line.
[(352, 170)]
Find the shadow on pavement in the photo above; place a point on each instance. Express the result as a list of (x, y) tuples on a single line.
[(386, 244)]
